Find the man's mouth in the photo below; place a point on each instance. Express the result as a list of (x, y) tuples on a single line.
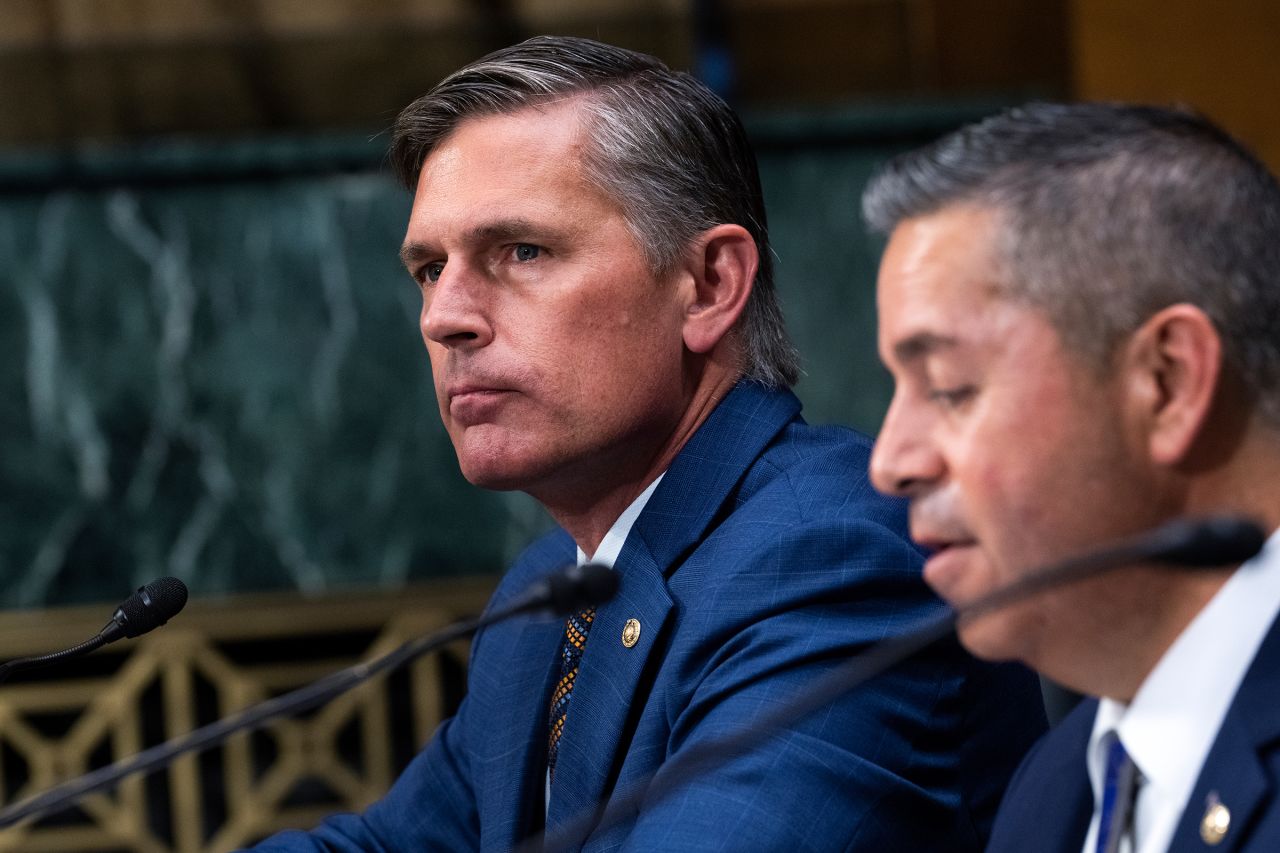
[(945, 568), (471, 404)]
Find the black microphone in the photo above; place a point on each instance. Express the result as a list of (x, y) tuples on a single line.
[(1208, 542), (577, 588), (561, 593), (147, 609), (1183, 544)]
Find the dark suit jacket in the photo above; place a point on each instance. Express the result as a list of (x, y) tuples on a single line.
[(1049, 803), (763, 557)]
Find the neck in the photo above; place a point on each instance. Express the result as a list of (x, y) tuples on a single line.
[(586, 502), (1158, 607), (1233, 470), (1147, 608)]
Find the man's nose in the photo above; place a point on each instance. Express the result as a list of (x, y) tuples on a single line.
[(904, 461), (454, 312)]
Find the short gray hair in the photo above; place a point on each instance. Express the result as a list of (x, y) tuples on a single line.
[(1109, 213), (670, 152)]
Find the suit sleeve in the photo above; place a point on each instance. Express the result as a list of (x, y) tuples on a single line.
[(878, 769)]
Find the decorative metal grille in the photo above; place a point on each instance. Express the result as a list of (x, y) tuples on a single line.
[(212, 660)]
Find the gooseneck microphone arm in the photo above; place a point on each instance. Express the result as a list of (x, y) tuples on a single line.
[(147, 609), (1184, 544), (567, 591)]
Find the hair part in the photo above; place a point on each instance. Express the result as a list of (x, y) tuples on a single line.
[(663, 146), (1109, 213)]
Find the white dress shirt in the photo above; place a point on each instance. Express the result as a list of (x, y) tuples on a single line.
[(607, 554), (1174, 717)]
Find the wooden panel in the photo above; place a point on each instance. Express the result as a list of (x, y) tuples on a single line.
[(822, 50), (1222, 58), (1002, 45)]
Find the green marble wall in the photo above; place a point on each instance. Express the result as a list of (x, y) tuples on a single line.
[(211, 368)]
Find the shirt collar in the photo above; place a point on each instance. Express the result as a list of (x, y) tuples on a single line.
[(611, 545), (1174, 717)]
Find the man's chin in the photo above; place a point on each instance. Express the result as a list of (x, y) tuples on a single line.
[(490, 457), (958, 574), (493, 479), (501, 473), (984, 638)]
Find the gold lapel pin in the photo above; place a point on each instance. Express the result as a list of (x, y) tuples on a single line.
[(631, 633), (1216, 820)]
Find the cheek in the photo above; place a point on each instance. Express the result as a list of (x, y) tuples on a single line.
[(1009, 492), (438, 357)]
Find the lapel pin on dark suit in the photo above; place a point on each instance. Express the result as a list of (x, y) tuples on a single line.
[(1216, 820), (631, 633)]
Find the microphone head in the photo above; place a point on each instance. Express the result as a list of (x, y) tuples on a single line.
[(1208, 542), (578, 587), (151, 606)]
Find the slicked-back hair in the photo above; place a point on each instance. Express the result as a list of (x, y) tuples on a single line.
[(1109, 213), (662, 145)]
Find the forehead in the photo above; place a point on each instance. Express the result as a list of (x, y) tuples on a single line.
[(489, 166), (528, 133), (939, 282)]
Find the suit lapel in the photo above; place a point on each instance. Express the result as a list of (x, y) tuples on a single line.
[(1061, 822), (693, 493), (517, 696), (1232, 777), (1235, 774), (1075, 815), (604, 698), (521, 723)]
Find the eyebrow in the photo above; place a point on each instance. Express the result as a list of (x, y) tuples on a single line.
[(516, 228), (412, 253), (920, 345)]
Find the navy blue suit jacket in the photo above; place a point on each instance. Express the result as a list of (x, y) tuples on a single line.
[(763, 558), (1049, 802)]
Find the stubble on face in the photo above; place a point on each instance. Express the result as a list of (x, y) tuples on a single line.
[(556, 350), (1014, 453)]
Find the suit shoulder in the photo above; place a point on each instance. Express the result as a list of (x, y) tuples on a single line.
[(1063, 745), (1052, 777), (820, 474)]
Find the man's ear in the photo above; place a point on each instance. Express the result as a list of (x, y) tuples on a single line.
[(722, 264), (1174, 366)]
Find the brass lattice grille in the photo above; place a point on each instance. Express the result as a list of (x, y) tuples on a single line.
[(212, 660)]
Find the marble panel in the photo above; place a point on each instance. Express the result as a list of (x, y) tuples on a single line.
[(211, 366)]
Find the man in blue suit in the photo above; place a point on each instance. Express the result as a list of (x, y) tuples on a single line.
[(1080, 305), (588, 235)]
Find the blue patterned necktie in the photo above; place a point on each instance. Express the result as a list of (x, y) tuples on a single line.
[(576, 628), (1118, 788)]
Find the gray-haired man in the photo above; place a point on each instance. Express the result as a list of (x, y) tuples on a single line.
[(589, 238), (1080, 305)]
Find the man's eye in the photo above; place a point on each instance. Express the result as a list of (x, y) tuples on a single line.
[(431, 272), (527, 252), (951, 398)]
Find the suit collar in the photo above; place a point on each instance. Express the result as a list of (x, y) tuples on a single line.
[(1235, 773), (693, 493), (702, 476)]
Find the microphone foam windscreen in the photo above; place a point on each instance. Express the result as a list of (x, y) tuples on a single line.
[(1210, 542), (153, 605)]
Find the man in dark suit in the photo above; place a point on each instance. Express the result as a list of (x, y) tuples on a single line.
[(589, 238), (1081, 309)]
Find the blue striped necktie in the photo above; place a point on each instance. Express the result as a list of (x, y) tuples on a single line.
[(1118, 788)]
